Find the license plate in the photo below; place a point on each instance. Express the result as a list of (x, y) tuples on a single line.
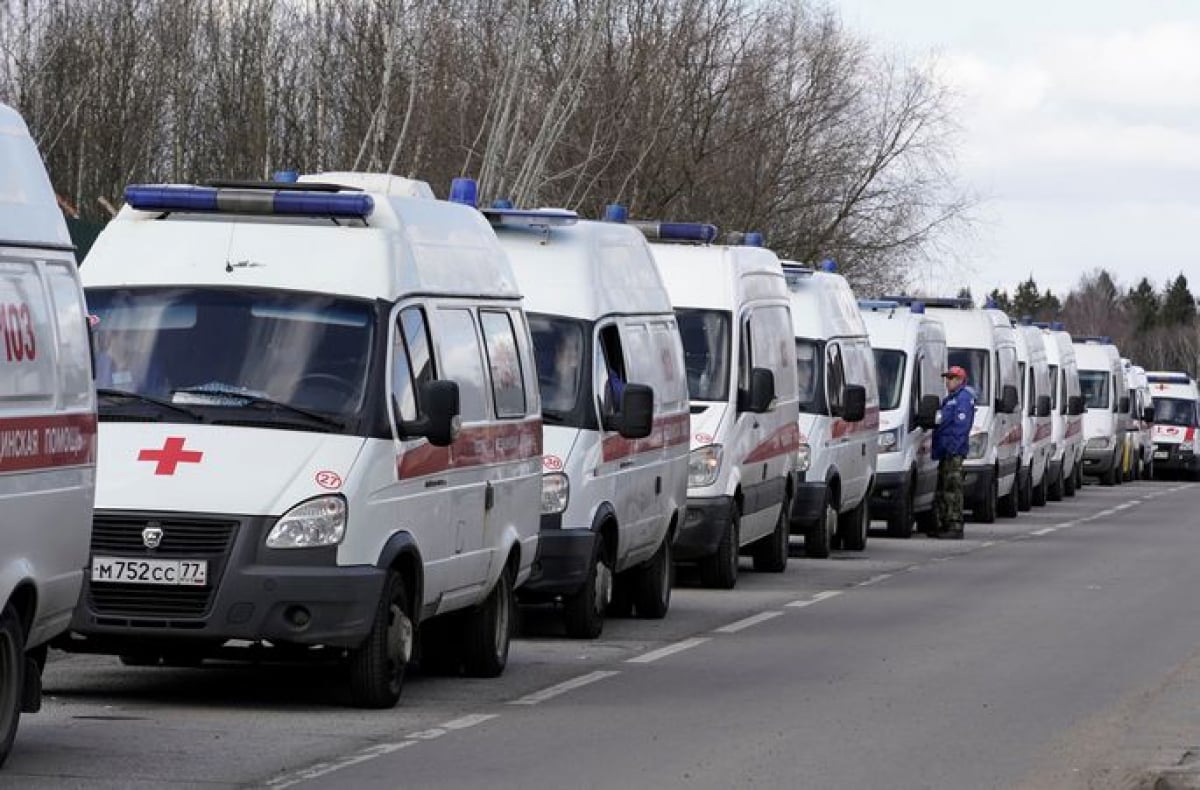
[(1160, 454), (187, 573)]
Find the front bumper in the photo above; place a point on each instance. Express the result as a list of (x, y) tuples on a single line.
[(891, 489), (298, 596), (1175, 460), (561, 564), (703, 527), (1099, 462)]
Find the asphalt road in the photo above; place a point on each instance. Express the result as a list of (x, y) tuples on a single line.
[(1060, 649)]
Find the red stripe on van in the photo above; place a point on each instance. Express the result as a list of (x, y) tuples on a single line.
[(667, 431), (475, 446), (869, 422), (31, 443), (784, 440), (1073, 427), (1013, 437), (1042, 432)]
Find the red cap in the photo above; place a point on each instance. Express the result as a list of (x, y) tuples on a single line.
[(956, 372)]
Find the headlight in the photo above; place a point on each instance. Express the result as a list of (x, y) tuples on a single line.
[(889, 441), (317, 522), (803, 457), (556, 492), (1099, 443), (704, 464), (977, 445)]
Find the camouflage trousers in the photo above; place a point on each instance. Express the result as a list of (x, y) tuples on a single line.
[(949, 502)]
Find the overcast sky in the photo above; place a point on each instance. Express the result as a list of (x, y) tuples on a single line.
[(1081, 130)]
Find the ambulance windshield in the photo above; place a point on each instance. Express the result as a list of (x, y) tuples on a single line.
[(1175, 411), (1094, 384), (705, 335), (281, 354)]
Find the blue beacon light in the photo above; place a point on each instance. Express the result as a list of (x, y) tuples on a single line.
[(615, 212), (829, 265), (464, 191), (248, 201)]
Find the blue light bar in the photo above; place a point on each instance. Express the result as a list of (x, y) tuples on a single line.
[(286, 176), (698, 232), (1101, 339), (917, 308), (1058, 326), (1168, 378), (990, 304), (959, 302), (529, 218), (753, 238), (615, 212), (829, 265), (1026, 320), (501, 203), (296, 203), (464, 191), (877, 304)]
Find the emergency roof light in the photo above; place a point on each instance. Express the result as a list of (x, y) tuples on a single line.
[(1100, 339), (693, 232), (1167, 378), (464, 191), (501, 203), (1026, 320), (829, 265), (917, 308), (309, 200), (286, 176), (990, 304), (877, 304), (1042, 324), (1058, 326), (958, 302), (615, 212), (540, 218)]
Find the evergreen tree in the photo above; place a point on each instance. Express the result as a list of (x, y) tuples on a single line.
[(1179, 306), (1143, 305), (1026, 299), (1000, 300)]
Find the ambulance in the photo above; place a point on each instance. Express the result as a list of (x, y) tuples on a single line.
[(1176, 424), (1139, 461), (732, 307), (320, 429), (615, 409), (1066, 414), (910, 357), (47, 425), (1036, 430), (839, 411), (982, 342), (1105, 394)]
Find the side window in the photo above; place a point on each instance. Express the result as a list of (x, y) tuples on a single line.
[(1116, 399), (27, 358), (462, 361), (915, 390), (772, 346), (835, 378), (1054, 387), (74, 356), (610, 376), (745, 358), (668, 356), (508, 382), (412, 364)]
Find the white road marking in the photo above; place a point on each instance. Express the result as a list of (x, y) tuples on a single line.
[(538, 697), (987, 543), (1045, 531), (669, 650), (875, 579), (745, 623)]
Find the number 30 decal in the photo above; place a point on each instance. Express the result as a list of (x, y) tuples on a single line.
[(20, 342)]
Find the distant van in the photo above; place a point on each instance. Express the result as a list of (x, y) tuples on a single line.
[(1066, 414), (1106, 396), (1139, 460), (320, 428), (910, 357), (47, 425), (732, 306), (839, 411), (615, 408), (1176, 424), (1036, 428), (983, 343)]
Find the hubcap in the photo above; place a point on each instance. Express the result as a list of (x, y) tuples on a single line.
[(502, 615), (399, 638), (830, 523), (603, 589)]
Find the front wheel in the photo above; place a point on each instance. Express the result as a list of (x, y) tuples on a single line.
[(818, 538), (488, 631), (1068, 484), (1024, 483), (1038, 492), (12, 677), (852, 528), (1054, 491), (652, 584), (771, 553), (900, 523), (1005, 506), (720, 570), (583, 612), (377, 666)]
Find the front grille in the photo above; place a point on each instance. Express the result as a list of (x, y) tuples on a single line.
[(184, 538)]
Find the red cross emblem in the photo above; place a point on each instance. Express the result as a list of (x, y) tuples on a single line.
[(170, 456)]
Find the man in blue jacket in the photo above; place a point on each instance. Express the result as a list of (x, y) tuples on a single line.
[(951, 440)]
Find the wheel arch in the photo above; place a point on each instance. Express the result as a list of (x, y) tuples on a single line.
[(402, 554)]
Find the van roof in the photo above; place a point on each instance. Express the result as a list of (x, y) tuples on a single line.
[(585, 270), (29, 212), (718, 277), (408, 242), (969, 327), (823, 305), (899, 328)]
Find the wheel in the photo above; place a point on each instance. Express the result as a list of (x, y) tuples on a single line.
[(771, 552), (141, 659), (1007, 505), (488, 631), (438, 650), (1068, 484), (818, 538), (1038, 492), (1024, 489), (1054, 491), (720, 570), (621, 602), (583, 612), (377, 665), (12, 677), (900, 523), (651, 585), (852, 527), (927, 521), (1078, 473), (1109, 478)]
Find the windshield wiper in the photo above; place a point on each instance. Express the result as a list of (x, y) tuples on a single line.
[(105, 392), (553, 417), (263, 402)]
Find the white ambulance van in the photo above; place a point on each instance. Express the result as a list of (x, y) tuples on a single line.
[(839, 411), (910, 357), (615, 411), (1176, 424), (732, 306), (1036, 429), (47, 425), (1066, 414), (1139, 461), (319, 425), (1102, 382), (982, 342)]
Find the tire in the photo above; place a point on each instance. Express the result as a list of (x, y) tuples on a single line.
[(927, 521), (1024, 490), (1109, 478), (1007, 505), (12, 677), (852, 527), (1054, 491), (583, 612), (1038, 492), (1068, 484), (1079, 474), (140, 659), (771, 553), (377, 666), (651, 586), (720, 570), (621, 603), (488, 631), (818, 538), (900, 523)]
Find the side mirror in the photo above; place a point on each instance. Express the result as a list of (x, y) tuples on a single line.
[(1075, 405), (1148, 414), (854, 402), (1123, 404), (636, 420), (927, 412), (1043, 405), (441, 423), (761, 394), (1008, 399)]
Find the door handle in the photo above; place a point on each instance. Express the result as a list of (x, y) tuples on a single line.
[(625, 464), (434, 483), (489, 496)]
